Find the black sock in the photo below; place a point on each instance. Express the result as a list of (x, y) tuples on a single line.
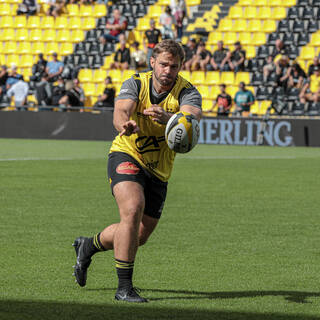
[(94, 245), (125, 272)]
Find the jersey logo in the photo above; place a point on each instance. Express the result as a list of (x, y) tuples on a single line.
[(148, 144), (127, 168)]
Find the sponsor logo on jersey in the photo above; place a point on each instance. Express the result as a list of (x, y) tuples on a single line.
[(127, 168)]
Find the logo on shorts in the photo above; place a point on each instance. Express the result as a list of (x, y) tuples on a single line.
[(127, 168)]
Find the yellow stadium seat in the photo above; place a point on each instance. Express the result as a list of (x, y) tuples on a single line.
[(230, 38), (73, 10), (274, 3), (47, 22), (242, 77), (99, 89), (264, 13), (20, 22), (212, 78), (215, 90), (255, 108), (5, 9), (24, 48), (49, 35), (126, 74), (22, 35), (85, 75), (115, 75), (227, 78), (261, 3), (51, 47), (88, 23), (66, 48), (163, 3), (254, 25), (191, 3), (77, 35), (38, 47), (250, 52), (99, 75), (33, 22), (264, 105), (250, 13), (100, 10), (206, 105), (214, 37), (289, 3), (6, 22), (61, 22), (259, 38), (13, 59), (279, 13), (26, 61), (89, 88), (245, 38), (307, 53), (143, 24), (154, 11), (198, 77), (185, 74), (225, 25), (10, 47), (235, 12), (63, 36), (8, 35), (240, 25), (75, 23), (246, 3), (204, 91), (35, 35), (232, 90), (269, 26), (315, 39), (86, 11)]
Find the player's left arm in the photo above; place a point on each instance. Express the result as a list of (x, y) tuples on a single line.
[(195, 111)]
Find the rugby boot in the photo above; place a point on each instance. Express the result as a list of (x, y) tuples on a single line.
[(129, 295), (83, 261)]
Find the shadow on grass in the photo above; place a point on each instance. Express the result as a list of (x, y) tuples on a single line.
[(36, 310)]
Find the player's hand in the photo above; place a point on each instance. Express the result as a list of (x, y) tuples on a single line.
[(129, 127), (158, 114)]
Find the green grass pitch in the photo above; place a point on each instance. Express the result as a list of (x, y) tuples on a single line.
[(238, 239)]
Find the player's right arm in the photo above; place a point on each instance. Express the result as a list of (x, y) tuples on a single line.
[(121, 117)]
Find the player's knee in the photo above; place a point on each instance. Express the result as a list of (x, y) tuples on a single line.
[(133, 214)]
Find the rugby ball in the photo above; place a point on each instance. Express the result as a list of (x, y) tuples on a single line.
[(182, 132)]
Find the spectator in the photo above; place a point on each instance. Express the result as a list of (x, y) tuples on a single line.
[(224, 102), (315, 80), (220, 58), (311, 90), (44, 91), (122, 57), (138, 57), (3, 79), (268, 68), (280, 49), (74, 97), (106, 100), (19, 90), (201, 58), (27, 7), (237, 58), (190, 50), (178, 8), (283, 71), (296, 76), (39, 68), (243, 100), (13, 77), (56, 7), (116, 27), (54, 68), (152, 36), (168, 23), (316, 63), (58, 92)]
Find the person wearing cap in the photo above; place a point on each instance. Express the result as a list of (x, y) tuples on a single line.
[(237, 58), (316, 63), (220, 58), (39, 68), (13, 77), (19, 90), (54, 68), (151, 37), (243, 100), (122, 57), (138, 57), (283, 70)]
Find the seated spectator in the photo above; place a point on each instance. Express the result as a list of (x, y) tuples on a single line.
[(311, 90), (315, 80), (54, 68), (151, 37), (19, 90), (116, 27), (224, 102), (3, 79), (178, 9), (13, 77), (138, 57), (296, 76), (39, 68), (190, 50), (283, 71), (316, 63), (269, 67), (220, 58), (43, 91), (122, 57), (27, 7), (168, 23), (201, 59), (58, 91), (243, 99), (280, 49), (74, 97), (237, 58), (56, 7), (106, 100)]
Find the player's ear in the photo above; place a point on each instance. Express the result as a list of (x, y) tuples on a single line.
[(152, 62)]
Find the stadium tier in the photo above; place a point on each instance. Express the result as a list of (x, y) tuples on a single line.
[(256, 24)]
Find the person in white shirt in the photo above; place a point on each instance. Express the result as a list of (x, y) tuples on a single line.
[(19, 91)]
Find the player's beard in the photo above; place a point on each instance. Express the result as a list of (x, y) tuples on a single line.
[(164, 80)]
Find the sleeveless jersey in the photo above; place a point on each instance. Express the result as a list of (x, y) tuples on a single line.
[(148, 146)]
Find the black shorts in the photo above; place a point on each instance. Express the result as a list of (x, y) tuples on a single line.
[(123, 167)]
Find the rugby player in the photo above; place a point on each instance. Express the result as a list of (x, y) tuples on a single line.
[(140, 162)]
